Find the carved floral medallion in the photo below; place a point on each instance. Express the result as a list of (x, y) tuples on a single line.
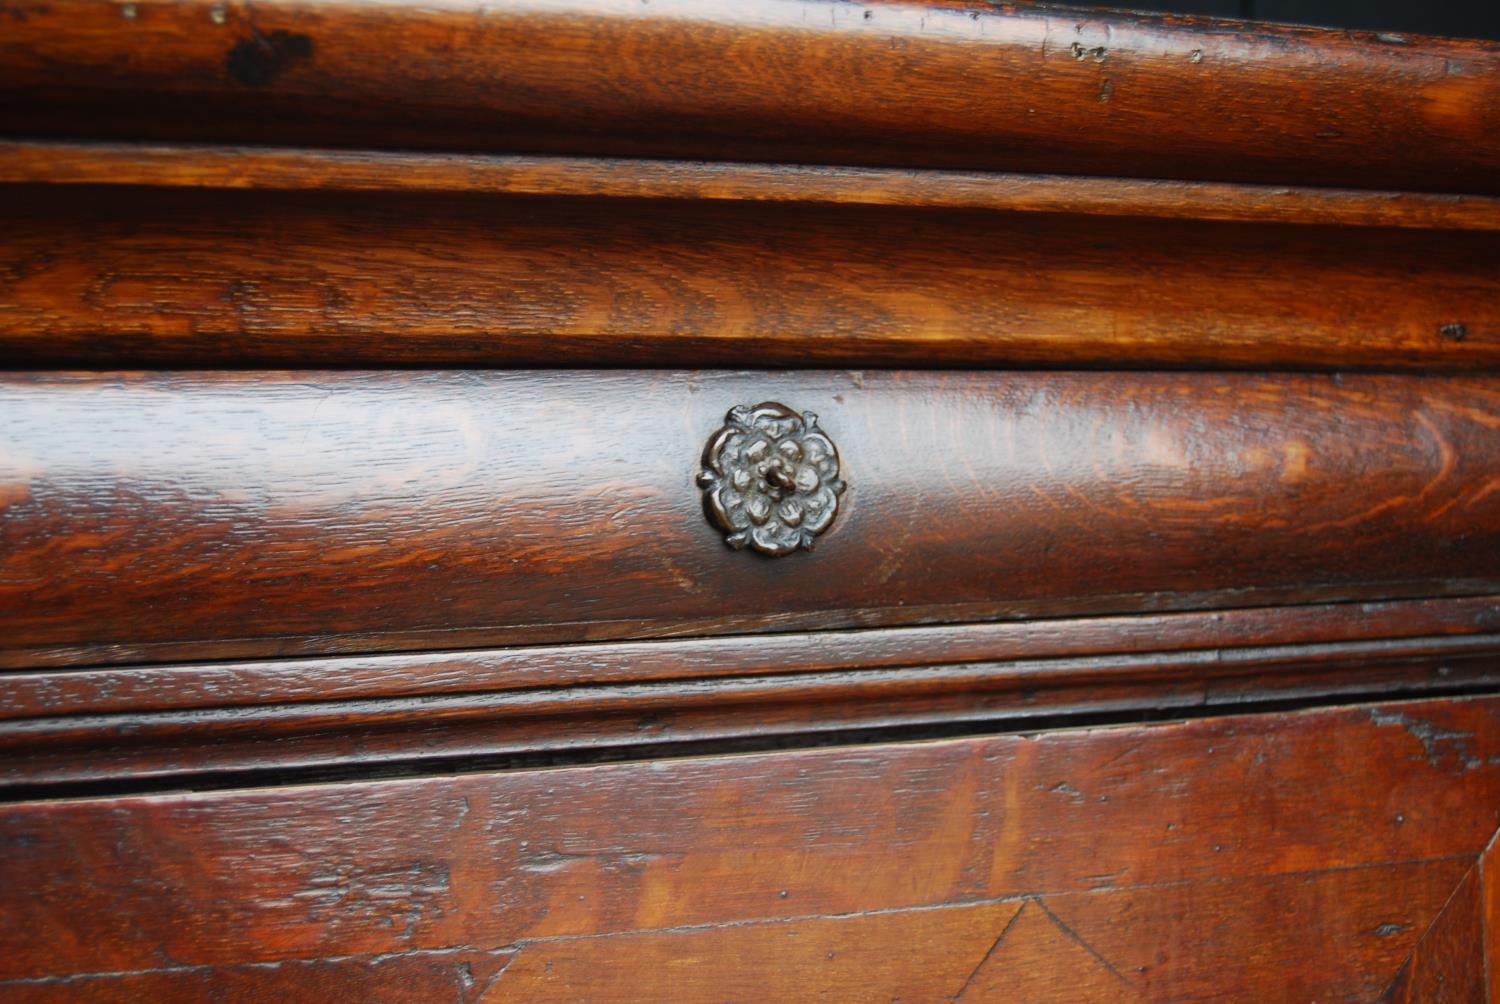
[(771, 479)]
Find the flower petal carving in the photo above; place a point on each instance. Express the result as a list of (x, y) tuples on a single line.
[(770, 479)]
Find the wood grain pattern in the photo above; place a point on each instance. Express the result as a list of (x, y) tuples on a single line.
[(907, 955), (1165, 861), (243, 745), (967, 85), (208, 723), (215, 278), (1489, 876), (1448, 964), (237, 604), (1333, 936), (311, 169), (383, 511), (1217, 643), (407, 978)]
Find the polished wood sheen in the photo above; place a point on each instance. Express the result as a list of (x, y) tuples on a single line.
[(1167, 862), (313, 169), (1215, 645), (213, 278), (57, 757), (364, 636), (1449, 963), (970, 85), (260, 513), (204, 722)]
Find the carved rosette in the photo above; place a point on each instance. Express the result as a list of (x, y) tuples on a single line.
[(770, 479)]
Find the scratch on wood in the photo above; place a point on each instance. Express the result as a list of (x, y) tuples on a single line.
[(1073, 936), (483, 990), (549, 860), (1437, 743), (993, 948)]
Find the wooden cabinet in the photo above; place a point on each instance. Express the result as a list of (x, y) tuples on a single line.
[(367, 625)]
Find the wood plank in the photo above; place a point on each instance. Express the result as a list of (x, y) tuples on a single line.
[(1324, 936), (906, 955), (966, 85), (1034, 959), (1448, 964), (1489, 880), (1216, 941), (191, 279), (490, 859), (312, 169), (400, 510), (407, 978)]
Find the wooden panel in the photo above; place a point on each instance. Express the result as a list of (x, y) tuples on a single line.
[(310, 169), (1189, 850), (396, 510), (1489, 874), (406, 978), (1018, 950), (1329, 936), (1448, 964), (968, 85), (113, 277)]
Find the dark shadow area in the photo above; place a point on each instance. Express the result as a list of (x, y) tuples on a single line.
[(1456, 18)]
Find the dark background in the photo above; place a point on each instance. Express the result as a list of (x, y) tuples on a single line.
[(1463, 18)]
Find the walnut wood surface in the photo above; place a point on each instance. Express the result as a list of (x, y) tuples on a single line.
[(966, 85), (1489, 888), (245, 582), (51, 756), (1216, 639), (429, 710), (407, 978), (312, 169), (1293, 856), (95, 276), (255, 513), (1448, 964)]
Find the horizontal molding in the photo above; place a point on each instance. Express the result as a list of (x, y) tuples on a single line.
[(332, 170), (114, 277), (238, 511), (242, 747), (965, 86), (446, 709), (1217, 635)]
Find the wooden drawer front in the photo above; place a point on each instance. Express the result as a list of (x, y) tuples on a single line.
[(206, 279), (972, 84), (242, 514), (1324, 855)]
